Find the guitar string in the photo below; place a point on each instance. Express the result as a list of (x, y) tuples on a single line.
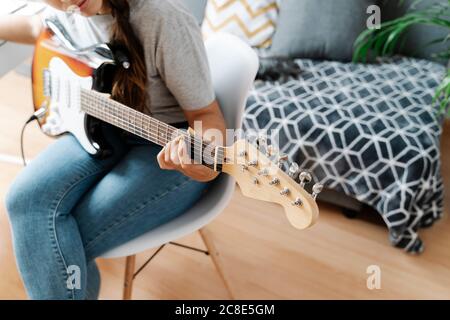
[(117, 114), (121, 123), (131, 125)]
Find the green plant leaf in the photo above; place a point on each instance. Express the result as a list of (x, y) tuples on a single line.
[(443, 94), (385, 41)]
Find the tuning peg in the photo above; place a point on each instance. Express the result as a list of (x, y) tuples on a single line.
[(305, 177), (263, 172), (255, 180), (298, 202), (285, 191), (244, 168), (294, 170), (316, 189), (274, 181), (282, 158)]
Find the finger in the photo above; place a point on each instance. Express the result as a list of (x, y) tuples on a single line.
[(182, 154), (174, 151), (168, 165), (161, 159), (167, 153)]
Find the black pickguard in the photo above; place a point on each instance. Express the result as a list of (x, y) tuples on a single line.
[(103, 79)]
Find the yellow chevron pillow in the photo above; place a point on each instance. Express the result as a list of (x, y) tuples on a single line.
[(252, 20)]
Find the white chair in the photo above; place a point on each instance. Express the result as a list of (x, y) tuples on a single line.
[(233, 66)]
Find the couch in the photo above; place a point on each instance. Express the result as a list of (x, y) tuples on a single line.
[(368, 132)]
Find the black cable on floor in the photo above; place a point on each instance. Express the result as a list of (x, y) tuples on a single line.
[(22, 152)]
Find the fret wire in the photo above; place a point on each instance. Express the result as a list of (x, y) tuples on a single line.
[(135, 122), (157, 129), (128, 117), (158, 133), (167, 132), (142, 123)]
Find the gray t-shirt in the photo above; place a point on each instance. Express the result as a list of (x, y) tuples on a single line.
[(177, 66)]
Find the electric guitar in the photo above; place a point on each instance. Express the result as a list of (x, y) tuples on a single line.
[(70, 95)]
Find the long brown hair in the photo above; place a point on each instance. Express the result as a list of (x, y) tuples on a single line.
[(130, 85)]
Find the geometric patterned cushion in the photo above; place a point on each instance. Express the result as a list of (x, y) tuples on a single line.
[(252, 20), (367, 130)]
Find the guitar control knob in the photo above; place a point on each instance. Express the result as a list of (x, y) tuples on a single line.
[(305, 177), (274, 181), (298, 202), (294, 170), (316, 189), (285, 192)]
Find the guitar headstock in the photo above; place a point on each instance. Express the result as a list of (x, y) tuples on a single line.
[(261, 178)]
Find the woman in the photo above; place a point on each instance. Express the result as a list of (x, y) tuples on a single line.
[(66, 208)]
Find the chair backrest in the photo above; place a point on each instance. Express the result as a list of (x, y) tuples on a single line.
[(233, 66)]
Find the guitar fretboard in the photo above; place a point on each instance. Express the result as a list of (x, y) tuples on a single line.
[(102, 107)]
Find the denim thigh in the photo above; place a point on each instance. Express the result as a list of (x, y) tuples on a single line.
[(39, 203), (57, 170), (131, 199)]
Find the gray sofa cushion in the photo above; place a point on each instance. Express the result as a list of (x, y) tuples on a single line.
[(319, 29), (419, 36), (369, 131)]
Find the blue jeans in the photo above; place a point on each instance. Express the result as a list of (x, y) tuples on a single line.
[(67, 208)]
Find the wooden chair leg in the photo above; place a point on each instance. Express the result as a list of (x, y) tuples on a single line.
[(129, 277), (215, 256)]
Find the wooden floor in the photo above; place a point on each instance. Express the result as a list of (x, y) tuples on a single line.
[(263, 257)]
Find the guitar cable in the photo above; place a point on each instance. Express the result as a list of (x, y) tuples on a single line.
[(35, 116)]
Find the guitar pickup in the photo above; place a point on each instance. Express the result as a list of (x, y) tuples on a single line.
[(47, 78)]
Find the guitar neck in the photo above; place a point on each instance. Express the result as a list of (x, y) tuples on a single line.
[(102, 107)]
